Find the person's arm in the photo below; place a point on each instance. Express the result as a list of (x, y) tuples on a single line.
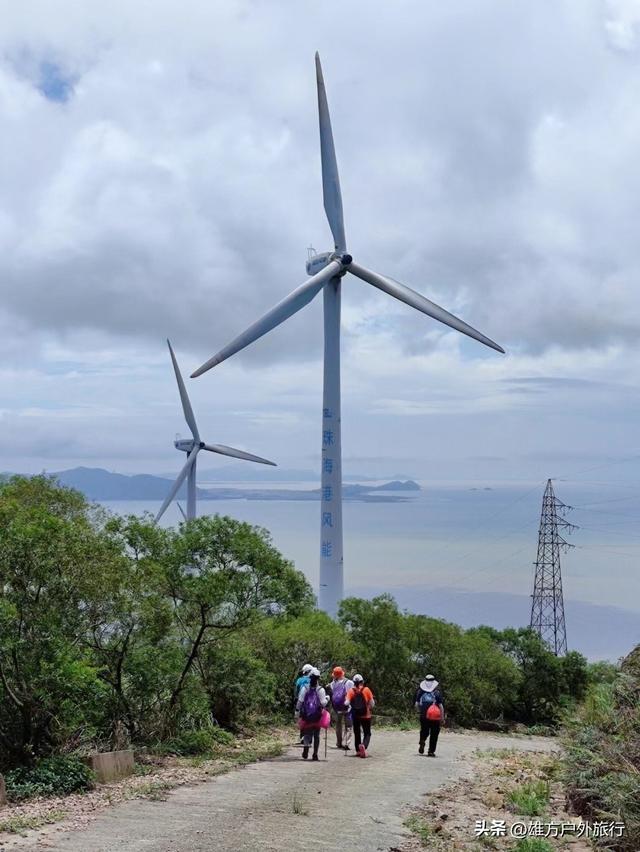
[(301, 695), (322, 695), (371, 702)]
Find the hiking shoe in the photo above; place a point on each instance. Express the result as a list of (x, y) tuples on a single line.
[(315, 757), (421, 748), (305, 752), (362, 752), (431, 754)]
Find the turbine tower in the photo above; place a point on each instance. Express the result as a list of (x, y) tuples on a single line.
[(326, 272), (192, 446), (547, 608)]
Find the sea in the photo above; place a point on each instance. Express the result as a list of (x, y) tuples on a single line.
[(465, 551)]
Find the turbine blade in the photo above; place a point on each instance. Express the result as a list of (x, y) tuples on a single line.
[(330, 178), (179, 480), (236, 454), (184, 397), (415, 300), (290, 305)]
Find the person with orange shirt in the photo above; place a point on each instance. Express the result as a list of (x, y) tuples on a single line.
[(361, 703)]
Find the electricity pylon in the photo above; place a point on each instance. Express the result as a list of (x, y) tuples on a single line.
[(547, 608)]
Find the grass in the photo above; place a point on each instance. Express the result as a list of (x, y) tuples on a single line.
[(532, 845), (298, 807), (530, 799), (22, 824), (154, 790), (420, 827)]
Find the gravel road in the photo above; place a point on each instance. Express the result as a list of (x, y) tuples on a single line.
[(287, 804)]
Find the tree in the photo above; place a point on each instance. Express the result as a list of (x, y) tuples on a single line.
[(53, 549)]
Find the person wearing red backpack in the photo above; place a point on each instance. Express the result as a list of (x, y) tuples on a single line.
[(429, 703), (361, 703)]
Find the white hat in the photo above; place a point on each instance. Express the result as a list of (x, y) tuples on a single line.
[(306, 669), (314, 672), (429, 677), (358, 678)]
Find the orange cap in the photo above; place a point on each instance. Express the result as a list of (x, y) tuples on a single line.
[(338, 672)]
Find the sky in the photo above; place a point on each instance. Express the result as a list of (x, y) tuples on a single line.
[(160, 176)]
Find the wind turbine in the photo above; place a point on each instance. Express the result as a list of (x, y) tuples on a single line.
[(192, 446), (326, 272)]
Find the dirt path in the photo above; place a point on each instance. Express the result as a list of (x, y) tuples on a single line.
[(287, 804)]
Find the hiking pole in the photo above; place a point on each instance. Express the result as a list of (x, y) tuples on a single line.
[(325, 743)]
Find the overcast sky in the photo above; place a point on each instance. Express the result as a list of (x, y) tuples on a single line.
[(160, 177)]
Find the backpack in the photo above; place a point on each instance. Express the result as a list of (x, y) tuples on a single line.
[(339, 697), (358, 704), (311, 709), (427, 699), (434, 714)]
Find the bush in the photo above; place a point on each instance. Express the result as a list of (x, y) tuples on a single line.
[(49, 777), (191, 743), (530, 799), (602, 762)]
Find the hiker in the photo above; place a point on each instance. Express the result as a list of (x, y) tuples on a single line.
[(310, 706), (361, 703), (302, 680), (338, 689), (429, 703)]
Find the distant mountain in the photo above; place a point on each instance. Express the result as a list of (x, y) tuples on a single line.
[(104, 486), (262, 473)]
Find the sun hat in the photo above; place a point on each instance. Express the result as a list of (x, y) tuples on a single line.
[(314, 672), (358, 678), (429, 684), (306, 668)]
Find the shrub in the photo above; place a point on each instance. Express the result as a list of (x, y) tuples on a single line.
[(202, 741), (49, 777), (530, 799)]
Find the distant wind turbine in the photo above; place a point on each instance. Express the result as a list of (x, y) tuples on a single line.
[(192, 446), (326, 271)]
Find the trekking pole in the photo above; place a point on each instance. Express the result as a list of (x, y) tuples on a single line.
[(325, 743)]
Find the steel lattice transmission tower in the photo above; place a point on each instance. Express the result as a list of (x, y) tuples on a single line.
[(547, 609)]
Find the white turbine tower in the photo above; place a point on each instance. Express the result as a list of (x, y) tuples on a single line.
[(326, 271), (192, 446)]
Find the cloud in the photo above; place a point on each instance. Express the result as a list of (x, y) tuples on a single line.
[(161, 178)]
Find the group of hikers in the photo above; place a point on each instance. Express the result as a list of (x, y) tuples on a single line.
[(347, 704)]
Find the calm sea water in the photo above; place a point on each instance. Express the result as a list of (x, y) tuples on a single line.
[(465, 537)]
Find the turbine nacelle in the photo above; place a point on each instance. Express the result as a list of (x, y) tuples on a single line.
[(186, 445), (317, 262)]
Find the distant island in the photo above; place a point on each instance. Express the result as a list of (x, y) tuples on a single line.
[(102, 485)]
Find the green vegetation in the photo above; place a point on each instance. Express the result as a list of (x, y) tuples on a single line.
[(530, 799), (22, 824), (533, 844), (48, 777), (420, 827), (115, 631), (602, 764)]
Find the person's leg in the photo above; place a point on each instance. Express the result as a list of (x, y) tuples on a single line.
[(357, 733), (424, 733), (366, 727), (346, 735), (339, 723), (306, 739), (433, 737), (316, 743)]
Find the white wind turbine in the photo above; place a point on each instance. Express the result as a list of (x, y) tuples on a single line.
[(326, 271), (192, 446)]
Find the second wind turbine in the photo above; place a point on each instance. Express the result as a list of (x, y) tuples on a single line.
[(326, 271)]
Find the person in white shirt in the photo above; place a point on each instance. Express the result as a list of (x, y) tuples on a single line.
[(338, 690)]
